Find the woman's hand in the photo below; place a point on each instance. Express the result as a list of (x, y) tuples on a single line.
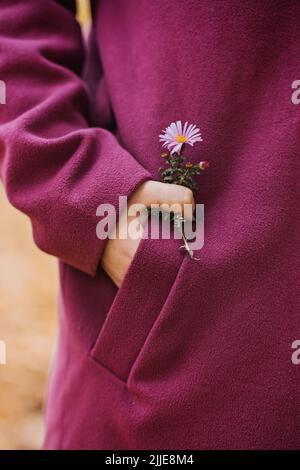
[(119, 252)]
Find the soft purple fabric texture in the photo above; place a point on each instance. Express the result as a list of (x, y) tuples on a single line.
[(185, 354)]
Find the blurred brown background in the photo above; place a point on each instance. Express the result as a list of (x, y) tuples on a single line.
[(28, 290), (28, 304)]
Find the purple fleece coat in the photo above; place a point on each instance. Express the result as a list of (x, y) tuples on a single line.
[(185, 355)]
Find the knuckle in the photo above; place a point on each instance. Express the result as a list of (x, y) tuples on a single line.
[(188, 197)]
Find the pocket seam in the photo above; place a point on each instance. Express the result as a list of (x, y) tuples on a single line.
[(133, 332), (111, 371), (180, 267)]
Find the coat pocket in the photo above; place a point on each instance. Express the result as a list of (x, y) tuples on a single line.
[(137, 304)]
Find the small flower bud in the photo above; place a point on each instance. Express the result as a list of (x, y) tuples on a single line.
[(203, 165), (189, 165), (164, 155)]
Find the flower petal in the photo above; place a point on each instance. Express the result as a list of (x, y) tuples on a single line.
[(194, 132), (184, 128), (179, 127)]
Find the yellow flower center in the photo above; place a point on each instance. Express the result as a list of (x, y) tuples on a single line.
[(181, 138)]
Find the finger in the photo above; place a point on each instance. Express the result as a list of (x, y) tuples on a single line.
[(174, 198)]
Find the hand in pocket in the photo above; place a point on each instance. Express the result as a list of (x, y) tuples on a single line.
[(119, 252)]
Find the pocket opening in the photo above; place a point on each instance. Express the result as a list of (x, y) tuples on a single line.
[(137, 304)]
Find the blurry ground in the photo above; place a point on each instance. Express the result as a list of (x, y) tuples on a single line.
[(28, 292)]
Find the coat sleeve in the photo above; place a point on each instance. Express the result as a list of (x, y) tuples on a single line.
[(55, 168)]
